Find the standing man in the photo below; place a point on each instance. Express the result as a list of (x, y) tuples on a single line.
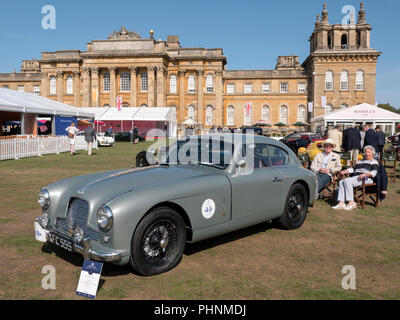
[(371, 138), (135, 133), (381, 141), (352, 142), (90, 137), (336, 136)]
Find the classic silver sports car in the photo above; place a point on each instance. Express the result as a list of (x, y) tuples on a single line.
[(205, 186)]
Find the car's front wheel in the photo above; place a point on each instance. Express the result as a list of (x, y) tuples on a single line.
[(296, 207), (158, 242)]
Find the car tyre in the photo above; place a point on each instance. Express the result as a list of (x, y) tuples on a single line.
[(158, 242), (296, 207)]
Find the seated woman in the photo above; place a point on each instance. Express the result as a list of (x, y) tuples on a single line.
[(366, 168)]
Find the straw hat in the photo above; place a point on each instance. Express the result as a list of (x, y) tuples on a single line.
[(329, 141)]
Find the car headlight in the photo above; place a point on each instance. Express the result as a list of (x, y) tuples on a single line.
[(78, 235), (44, 220), (104, 218), (44, 199)]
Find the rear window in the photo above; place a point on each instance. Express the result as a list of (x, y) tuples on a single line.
[(278, 156)]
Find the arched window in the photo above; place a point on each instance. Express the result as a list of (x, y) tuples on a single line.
[(143, 105), (191, 112), (144, 81), (329, 109), (343, 106), (344, 81), (230, 116), (106, 82), (329, 81), (209, 83), (125, 105), (70, 85), (360, 80), (283, 116), (191, 84), (302, 115), (209, 116), (53, 85), (172, 84), (125, 81), (265, 113), (344, 41), (106, 105)]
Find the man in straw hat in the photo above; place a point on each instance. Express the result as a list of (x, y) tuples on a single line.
[(326, 164)]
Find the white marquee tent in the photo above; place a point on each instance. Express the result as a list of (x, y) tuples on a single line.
[(136, 114), (360, 114)]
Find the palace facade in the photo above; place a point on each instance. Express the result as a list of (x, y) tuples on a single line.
[(196, 83)]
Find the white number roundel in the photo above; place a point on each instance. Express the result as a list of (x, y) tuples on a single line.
[(208, 208)]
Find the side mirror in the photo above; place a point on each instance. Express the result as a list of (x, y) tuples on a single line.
[(242, 164)]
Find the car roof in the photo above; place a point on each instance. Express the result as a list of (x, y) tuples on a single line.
[(249, 138)]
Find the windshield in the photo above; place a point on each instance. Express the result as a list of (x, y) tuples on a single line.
[(198, 151)]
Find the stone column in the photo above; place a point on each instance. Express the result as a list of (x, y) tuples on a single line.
[(113, 91), (181, 75), (60, 85), (44, 84), (218, 98), (86, 86), (77, 88), (133, 102), (161, 81), (151, 86), (95, 86), (200, 109)]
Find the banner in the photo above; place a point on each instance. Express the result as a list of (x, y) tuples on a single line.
[(119, 102), (248, 107), (323, 99), (310, 106)]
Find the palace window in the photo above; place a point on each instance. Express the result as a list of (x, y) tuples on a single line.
[(329, 81), (302, 87), (53, 85), (209, 116), (191, 112), (283, 115), (265, 88), (284, 87), (144, 81), (21, 89), (360, 80), (125, 81), (230, 116), (230, 88), (301, 117), (344, 81), (344, 41), (70, 87), (343, 106), (172, 84), (191, 84), (265, 113), (209, 83), (248, 88), (106, 82), (36, 90)]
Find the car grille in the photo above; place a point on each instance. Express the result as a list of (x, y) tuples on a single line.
[(77, 216)]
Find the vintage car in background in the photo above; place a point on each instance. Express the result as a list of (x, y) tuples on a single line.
[(298, 140), (105, 139), (203, 187)]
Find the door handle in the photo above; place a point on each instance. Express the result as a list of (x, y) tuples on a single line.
[(277, 179)]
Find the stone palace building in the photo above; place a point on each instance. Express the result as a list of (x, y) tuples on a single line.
[(341, 66)]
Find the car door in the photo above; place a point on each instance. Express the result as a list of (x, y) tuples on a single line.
[(257, 188)]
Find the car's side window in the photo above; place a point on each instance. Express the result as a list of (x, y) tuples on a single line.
[(278, 156), (256, 155)]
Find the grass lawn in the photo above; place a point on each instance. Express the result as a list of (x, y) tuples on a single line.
[(260, 262)]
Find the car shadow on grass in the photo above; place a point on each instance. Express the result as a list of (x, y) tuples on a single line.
[(193, 248)]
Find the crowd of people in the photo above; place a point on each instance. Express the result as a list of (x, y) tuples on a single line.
[(369, 169)]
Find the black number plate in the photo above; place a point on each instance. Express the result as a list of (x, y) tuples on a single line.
[(61, 241)]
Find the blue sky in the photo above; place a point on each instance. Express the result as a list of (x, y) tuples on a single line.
[(252, 33)]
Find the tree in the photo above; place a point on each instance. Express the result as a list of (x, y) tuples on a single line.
[(388, 107)]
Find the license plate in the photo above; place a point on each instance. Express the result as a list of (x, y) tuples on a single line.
[(61, 241)]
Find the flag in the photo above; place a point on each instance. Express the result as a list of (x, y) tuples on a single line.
[(323, 99), (248, 107), (119, 102), (310, 106)]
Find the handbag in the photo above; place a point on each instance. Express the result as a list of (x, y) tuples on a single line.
[(71, 135)]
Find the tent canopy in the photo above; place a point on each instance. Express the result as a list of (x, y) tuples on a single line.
[(14, 101)]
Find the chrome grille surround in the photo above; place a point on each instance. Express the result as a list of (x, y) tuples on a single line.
[(77, 216)]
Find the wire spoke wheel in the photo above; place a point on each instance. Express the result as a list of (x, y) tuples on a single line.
[(296, 205)]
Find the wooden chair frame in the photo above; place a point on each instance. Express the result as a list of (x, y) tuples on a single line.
[(330, 187), (391, 171)]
